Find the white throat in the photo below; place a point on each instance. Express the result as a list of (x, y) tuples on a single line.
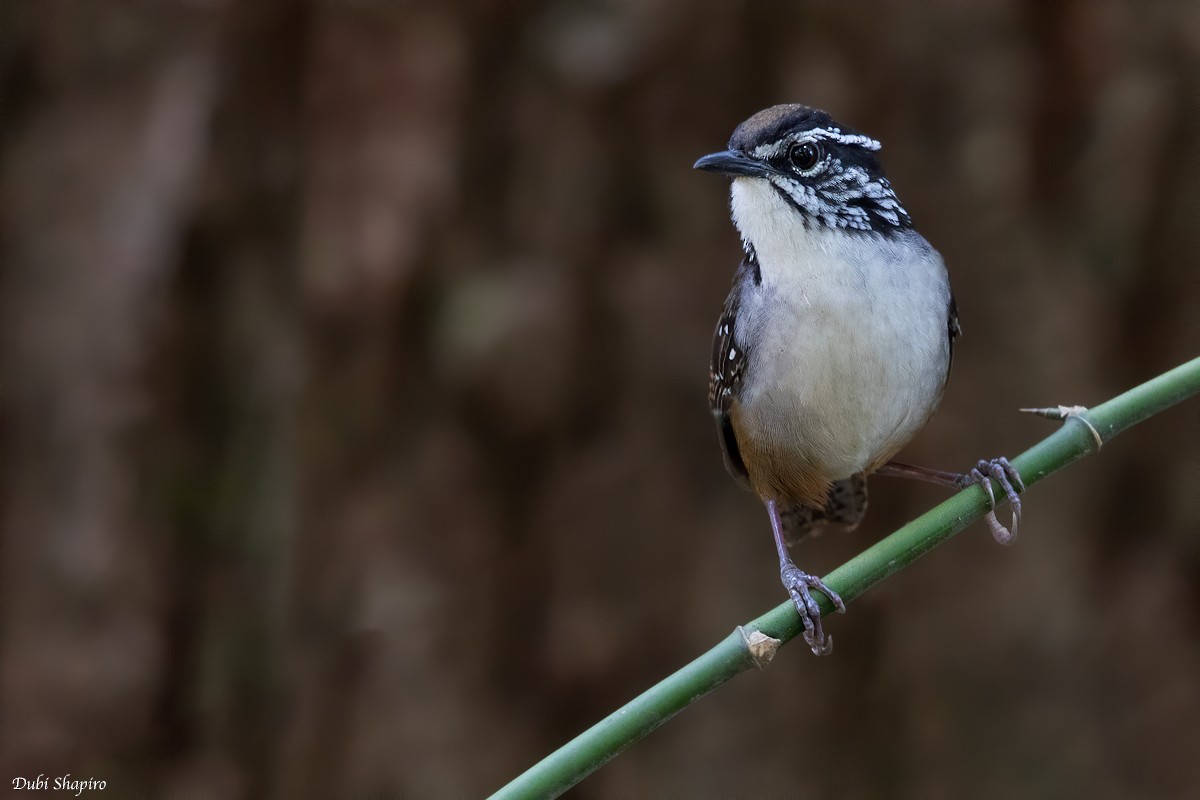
[(775, 230)]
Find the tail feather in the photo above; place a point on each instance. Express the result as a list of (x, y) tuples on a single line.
[(845, 507)]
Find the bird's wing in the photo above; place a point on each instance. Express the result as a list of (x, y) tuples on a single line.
[(726, 369), (953, 329)]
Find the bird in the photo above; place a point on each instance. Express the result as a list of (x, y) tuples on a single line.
[(835, 343)]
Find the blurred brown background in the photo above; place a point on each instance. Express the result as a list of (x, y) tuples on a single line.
[(355, 433)]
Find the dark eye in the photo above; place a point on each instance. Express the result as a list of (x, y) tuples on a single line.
[(804, 155)]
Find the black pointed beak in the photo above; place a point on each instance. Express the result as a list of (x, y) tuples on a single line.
[(731, 162)]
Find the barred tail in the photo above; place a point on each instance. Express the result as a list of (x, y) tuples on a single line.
[(845, 507)]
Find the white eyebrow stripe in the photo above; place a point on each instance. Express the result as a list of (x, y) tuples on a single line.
[(836, 135), (773, 149)]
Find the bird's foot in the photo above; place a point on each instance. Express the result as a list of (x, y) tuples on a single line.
[(1005, 474), (799, 585)]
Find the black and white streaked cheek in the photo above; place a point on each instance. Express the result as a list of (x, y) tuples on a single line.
[(845, 197), (834, 193)]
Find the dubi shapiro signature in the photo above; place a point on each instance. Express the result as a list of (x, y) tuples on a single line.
[(63, 783)]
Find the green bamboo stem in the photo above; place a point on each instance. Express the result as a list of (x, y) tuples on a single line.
[(584, 754)]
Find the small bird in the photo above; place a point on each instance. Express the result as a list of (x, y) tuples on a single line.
[(836, 339)]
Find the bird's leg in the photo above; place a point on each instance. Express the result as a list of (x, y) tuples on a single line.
[(799, 585), (997, 469)]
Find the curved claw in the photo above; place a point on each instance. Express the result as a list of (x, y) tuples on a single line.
[(1001, 470), (1009, 470), (976, 477), (1005, 474), (799, 585)]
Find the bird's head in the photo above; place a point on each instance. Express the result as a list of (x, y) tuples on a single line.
[(793, 159)]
